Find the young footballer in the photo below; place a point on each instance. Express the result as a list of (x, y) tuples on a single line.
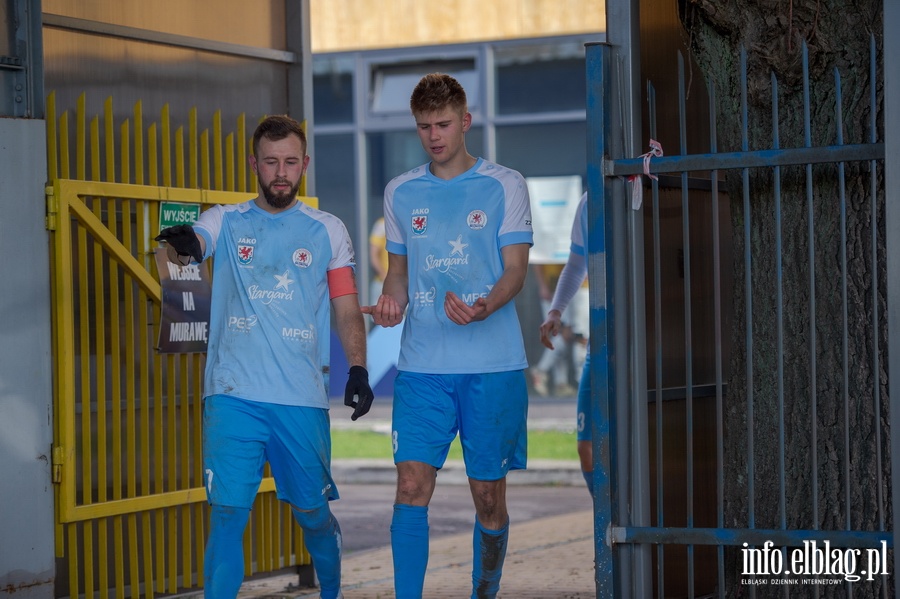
[(458, 235)]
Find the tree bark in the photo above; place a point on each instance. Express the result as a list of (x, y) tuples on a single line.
[(837, 35)]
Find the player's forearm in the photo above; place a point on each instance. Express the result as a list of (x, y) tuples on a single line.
[(511, 282), (506, 288), (351, 329), (570, 280), (396, 285)]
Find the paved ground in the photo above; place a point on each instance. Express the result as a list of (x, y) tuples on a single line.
[(364, 511), (547, 558), (550, 553)]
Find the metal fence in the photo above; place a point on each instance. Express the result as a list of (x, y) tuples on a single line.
[(132, 517), (743, 475)]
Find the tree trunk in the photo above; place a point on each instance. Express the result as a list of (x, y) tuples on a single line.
[(837, 34)]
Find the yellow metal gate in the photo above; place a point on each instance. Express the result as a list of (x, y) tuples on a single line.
[(130, 500)]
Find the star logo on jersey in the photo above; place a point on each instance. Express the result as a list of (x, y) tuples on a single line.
[(302, 258), (419, 224), (476, 220), (245, 254), (458, 246), (284, 281)]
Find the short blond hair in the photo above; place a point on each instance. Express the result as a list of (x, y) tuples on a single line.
[(437, 91)]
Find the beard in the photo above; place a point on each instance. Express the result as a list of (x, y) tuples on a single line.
[(280, 200)]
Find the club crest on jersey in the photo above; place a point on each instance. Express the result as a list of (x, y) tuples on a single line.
[(419, 223), (477, 219), (303, 258), (245, 253)]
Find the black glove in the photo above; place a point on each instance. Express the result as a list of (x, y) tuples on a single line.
[(358, 384), (183, 239)]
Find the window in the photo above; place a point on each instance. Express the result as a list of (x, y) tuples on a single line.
[(393, 84), (336, 177), (333, 90), (544, 150), (543, 78), (392, 153)]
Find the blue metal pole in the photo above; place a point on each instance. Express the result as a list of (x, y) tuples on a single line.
[(602, 348)]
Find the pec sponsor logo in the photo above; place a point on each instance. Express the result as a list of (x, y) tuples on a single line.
[(476, 220), (303, 258), (241, 324), (425, 298)]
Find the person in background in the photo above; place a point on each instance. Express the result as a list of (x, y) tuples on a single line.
[(280, 268), (550, 376), (458, 237), (571, 280), (378, 258)]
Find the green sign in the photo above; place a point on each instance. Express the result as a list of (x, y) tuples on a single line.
[(176, 213)]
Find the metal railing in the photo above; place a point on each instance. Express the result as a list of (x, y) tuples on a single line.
[(131, 504), (787, 413)]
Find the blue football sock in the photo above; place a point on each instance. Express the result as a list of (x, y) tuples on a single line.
[(224, 558), (589, 479), (409, 544), (488, 553), (322, 536)]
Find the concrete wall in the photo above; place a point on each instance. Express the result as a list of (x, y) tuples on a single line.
[(26, 421), (340, 25)]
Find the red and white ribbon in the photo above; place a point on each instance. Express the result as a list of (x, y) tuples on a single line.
[(637, 187)]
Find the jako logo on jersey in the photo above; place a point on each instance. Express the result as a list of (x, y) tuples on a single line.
[(419, 224), (241, 324), (245, 253), (477, 219), (303, 258)]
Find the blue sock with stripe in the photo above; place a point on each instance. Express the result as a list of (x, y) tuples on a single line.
[(322, 536), (223, 568), (409, 545), (488, 554)]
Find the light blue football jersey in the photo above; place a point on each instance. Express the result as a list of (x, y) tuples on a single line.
[(580, 228), (451, 232), (270, 314)]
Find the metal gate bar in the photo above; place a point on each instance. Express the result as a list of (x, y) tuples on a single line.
[(131, 503), (613, 446)]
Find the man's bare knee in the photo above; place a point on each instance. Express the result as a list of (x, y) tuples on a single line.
[(415, 483), (490, 502)]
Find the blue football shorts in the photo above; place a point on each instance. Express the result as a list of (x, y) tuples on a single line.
[(488, 411), (240, 436)]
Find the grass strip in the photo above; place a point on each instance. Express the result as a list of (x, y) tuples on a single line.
[(542, 445)]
